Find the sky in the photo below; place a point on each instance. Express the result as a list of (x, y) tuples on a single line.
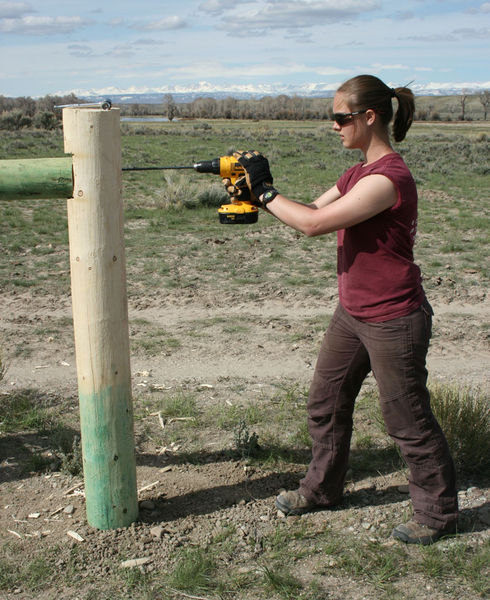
[(53, 47)]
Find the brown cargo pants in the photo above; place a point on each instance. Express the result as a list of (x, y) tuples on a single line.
[(395, 351)]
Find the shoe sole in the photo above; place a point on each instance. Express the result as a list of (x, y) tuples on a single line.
[(295, 511), (423, 541)]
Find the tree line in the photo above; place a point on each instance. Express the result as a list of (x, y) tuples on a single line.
[(297, 108), (26, 112)]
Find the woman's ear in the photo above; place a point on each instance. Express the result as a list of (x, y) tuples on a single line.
[(370, 116)]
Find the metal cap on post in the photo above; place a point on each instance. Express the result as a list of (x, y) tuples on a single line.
[(100, 315)]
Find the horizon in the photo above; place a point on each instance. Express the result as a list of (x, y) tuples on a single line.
[(256, 46)]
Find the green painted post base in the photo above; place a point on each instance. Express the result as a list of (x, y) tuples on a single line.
[(108, 458)]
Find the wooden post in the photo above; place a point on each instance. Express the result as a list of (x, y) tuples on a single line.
[(100, 316), (36, 178)]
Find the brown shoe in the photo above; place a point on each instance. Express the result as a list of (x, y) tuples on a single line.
[(294, 503), (417, 533)]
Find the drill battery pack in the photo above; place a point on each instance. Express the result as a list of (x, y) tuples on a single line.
[(237, 213)]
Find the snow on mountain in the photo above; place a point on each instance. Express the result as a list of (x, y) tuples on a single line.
[(149, 95)]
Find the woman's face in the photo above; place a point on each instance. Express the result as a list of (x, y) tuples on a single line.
[(351, 134)]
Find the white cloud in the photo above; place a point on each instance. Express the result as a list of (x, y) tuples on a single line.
[(32, 25), (432, 37), (121, 51), (468, 32), (291, 15), (14, 10), (476, 10), (217, 7), (165, 24), (404, 15), (149, 42), (80, 50), (329, 71), (453, 36), (388, 67), (124, 50), (116, 22), (271, 69)]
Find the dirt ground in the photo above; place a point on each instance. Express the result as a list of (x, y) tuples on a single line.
[(182, 504)]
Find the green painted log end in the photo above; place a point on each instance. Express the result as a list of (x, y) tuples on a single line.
[(41, 178)]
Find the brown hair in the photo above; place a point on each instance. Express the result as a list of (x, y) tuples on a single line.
[(367, 91)]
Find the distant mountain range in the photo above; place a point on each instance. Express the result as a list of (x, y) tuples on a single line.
[(245, 92)]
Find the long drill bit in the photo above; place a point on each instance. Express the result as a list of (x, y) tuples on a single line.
[(155, 168)]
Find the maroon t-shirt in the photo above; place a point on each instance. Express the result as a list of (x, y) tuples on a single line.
[(378, 279)]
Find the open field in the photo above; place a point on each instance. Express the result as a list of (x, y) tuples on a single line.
[(225, 324)]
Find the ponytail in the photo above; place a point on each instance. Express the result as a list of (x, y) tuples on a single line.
[(369, 92), (404, 114)]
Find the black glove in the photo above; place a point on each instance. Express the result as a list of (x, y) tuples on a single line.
[(239, 191), (257, 173)]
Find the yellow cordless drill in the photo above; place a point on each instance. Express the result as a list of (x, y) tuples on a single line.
[(227, 167)]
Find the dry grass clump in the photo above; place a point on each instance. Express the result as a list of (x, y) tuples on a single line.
[(180, 192), (464, 416)]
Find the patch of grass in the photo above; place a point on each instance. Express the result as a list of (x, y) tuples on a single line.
[(457, 562), (301, 436), (280, 581), (32, 575), (195, 571), (228, 417), (364, 441), (153, 341), (464, 416), (135, 581), (8, 577), (290, 394), (336, 553), (23, 410), (379, 564), (179, 405), (59, 445)]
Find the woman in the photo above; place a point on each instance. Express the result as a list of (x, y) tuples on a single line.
[(383, 321)]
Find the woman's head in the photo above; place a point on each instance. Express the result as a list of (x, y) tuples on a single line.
[(368, 92)]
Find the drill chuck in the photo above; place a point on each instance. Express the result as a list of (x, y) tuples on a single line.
[(208, 166)]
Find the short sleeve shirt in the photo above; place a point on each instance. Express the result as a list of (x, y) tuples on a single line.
[(377, 277)]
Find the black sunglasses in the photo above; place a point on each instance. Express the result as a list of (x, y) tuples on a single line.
[(344, 118)]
